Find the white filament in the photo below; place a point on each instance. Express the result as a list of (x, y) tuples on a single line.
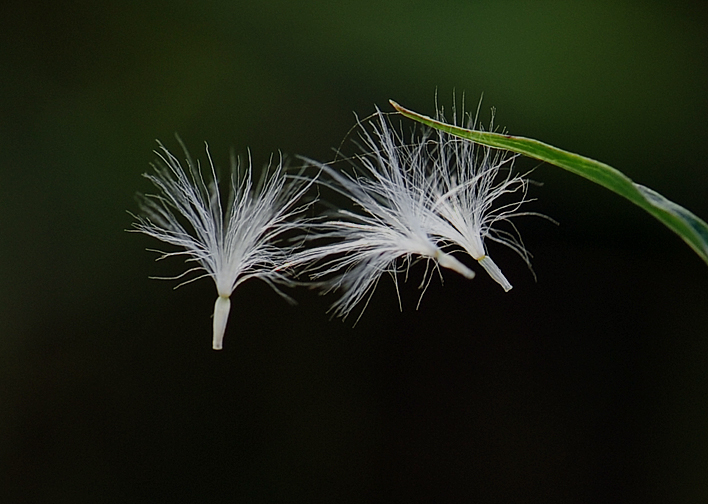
[(448, 261), (221, 317), (494, 272)]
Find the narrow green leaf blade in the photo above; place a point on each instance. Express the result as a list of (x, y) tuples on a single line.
[(692, 229)]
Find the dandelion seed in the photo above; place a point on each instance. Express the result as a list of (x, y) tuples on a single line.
[(416, 200), (468, 182), (230, 241)]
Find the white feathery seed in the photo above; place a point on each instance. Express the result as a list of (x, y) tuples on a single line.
[(416, 200), (467, 186), (230, 239)]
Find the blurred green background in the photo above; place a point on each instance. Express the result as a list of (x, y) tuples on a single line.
[(589, 385)]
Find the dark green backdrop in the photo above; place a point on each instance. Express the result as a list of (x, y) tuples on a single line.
[(589, 385)]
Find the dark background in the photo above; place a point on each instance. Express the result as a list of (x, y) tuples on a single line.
[(589, 385)]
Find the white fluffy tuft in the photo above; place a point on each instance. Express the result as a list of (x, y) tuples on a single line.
[(230, 240), (416, 200)]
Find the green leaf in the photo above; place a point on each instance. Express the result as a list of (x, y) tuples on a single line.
[(688, 226)]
